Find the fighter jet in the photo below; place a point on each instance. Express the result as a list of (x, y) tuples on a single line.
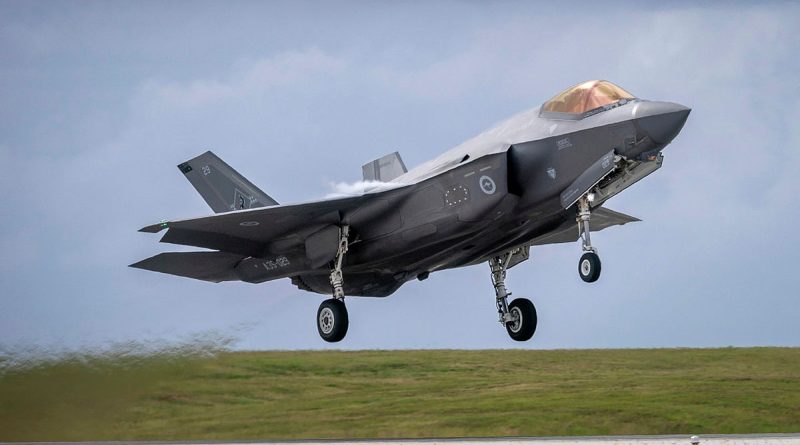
[(541, 177)]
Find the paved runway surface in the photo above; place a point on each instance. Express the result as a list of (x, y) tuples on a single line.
[(719, 439)]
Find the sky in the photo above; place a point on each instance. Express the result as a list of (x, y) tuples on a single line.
[(99, 101)]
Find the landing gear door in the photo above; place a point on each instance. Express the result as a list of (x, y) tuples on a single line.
[(321, 246), (588, 179)]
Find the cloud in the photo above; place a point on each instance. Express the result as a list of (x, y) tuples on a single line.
[(251, 78)]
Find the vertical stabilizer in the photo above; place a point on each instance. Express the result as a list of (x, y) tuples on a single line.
[(384, 169), (222, 187)]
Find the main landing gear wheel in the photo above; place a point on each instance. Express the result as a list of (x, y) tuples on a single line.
[(589, 267), (519, 317), (332, 320), (524, 320)]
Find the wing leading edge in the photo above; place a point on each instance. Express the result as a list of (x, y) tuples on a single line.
[(250, 232)]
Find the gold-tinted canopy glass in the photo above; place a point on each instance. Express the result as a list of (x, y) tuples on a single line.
[(586, 96)]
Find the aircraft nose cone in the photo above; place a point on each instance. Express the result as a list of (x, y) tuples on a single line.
[(662, 121)]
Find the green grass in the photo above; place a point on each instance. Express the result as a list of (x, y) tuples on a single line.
[(385, 394)]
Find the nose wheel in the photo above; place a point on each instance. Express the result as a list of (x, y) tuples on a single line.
[(589, 265)]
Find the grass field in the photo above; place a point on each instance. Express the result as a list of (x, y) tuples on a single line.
[(372, 394)]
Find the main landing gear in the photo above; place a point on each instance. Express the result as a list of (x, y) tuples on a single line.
[(332, 319), (519, 317), (589, 264)]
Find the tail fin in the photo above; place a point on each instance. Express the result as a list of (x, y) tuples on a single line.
[(222, 187), (384, 169)]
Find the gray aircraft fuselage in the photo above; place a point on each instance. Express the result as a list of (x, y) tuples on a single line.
[(511, 187), (540, 177), (483, 203)]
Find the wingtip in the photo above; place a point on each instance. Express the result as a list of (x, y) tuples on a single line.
[(137, 265), (155, 228)]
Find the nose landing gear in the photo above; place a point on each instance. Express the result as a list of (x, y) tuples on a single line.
[(589, 265), (519, 317), (332, 318)]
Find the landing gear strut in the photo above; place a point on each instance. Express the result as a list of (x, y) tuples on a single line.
[(332, 319), (519, 317), (589, 264)]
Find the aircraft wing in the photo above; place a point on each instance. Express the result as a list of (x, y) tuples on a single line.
[(252, 232), (568, 232)]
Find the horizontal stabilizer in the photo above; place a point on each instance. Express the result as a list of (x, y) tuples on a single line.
[(568, 232), (206, 266), (384, 169), (222, 187)]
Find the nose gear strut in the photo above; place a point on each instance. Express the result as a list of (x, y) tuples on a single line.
[(589, 264)]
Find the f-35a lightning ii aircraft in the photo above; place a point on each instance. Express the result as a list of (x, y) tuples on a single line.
[(540, 177)]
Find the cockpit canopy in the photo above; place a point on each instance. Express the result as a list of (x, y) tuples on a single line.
[(583, 99)]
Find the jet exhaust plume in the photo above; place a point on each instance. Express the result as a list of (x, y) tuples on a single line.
[(344, 189)]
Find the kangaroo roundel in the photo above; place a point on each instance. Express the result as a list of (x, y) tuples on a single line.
[(487, 185)]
